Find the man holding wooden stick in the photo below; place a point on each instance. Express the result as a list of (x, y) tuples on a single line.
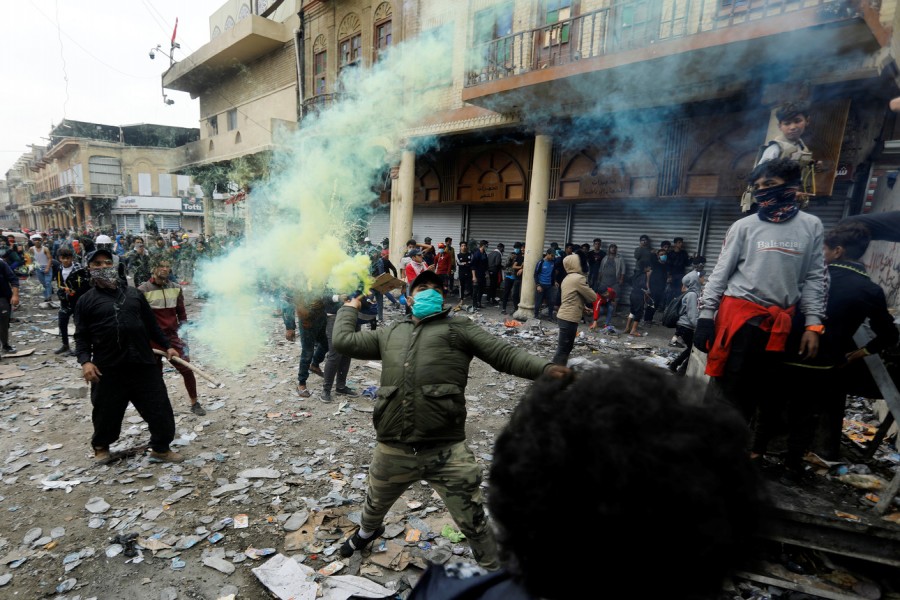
[(167, 301), (113, 328)]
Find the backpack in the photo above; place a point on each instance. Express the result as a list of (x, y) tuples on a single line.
[(672, 312)]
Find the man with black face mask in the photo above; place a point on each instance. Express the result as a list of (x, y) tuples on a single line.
[(772, 264), (113, 328)]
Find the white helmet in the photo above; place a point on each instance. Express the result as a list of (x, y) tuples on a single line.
[(103, 239)]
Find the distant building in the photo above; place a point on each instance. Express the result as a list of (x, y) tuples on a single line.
[(93, 176)]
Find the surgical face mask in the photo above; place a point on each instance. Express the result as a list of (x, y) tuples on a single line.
[(138, 246), (440, 251), (426, 303), (663, 258), (105, 277), (516, 250)]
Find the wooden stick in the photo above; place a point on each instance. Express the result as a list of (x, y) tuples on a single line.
[(190, 366)]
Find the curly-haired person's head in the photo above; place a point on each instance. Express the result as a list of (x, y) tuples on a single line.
[(654, 483)]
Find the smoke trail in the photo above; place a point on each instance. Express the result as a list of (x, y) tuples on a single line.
[(320, 186)]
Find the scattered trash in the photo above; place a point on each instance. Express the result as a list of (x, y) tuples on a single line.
[(452, 534), (97, 505), (863, 482), (219, 564), (241, 521), (286, 579)]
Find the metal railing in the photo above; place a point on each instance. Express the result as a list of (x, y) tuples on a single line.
[(106, 189), (627, 25), (317, 104)]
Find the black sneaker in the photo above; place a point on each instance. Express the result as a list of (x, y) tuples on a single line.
[(9, 349), (62, 350), (357, 543), (326, 397), (346, 391), (197, 409)]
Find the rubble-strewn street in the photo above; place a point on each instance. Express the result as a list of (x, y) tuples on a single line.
[(266, 473)]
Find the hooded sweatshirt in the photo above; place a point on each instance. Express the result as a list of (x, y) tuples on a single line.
[(575, 291), (690, 302)]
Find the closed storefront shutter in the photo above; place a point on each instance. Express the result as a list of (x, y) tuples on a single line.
[(623, 222), (128, 223), (380, 225), (170, 222), (437, 222), (507, 224), (722, 214)]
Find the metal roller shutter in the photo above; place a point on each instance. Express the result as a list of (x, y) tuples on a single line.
[(830, 213), (507, 224), (437, 222), (722, 214), (170, 222), (380, 225), (622, 222)]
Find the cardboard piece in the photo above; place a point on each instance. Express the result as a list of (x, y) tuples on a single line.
[(386, 282), (20, 353), (10, 372), (342, 587), (394, 557)]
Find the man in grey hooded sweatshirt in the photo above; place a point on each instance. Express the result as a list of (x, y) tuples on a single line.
[(687, 318), (575, 293)]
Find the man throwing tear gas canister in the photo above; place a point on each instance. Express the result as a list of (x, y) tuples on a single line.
[(420, 410)]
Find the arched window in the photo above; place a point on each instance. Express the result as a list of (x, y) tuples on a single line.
[(320, 65), (229, 23), (237, 138), (350, 41), (244, 12), (261, 6), (216, 32), (383, 34)]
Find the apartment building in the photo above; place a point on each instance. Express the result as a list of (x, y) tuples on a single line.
[(92, 175), (567, 120), (246, 79)]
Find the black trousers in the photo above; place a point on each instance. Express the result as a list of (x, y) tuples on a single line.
[(493, 284), (511, 289), (567, 332), (687, 334), (465, 282), (143, 386), (480, 288), (65, 313), (5, 316)]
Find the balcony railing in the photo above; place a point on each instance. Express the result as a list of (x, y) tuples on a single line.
[(316, 104), (106, 189), (627, 25)]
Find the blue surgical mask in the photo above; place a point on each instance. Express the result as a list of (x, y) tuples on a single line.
[(516, 250), (663, 258), (426, 303)]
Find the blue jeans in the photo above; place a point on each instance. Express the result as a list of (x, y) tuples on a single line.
[(313, 347), (548, 293), (46, 280), (379, 303)]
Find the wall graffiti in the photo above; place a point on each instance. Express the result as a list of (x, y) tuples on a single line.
[(883, 264)]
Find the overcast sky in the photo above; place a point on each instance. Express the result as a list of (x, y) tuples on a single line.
[(102, 48)]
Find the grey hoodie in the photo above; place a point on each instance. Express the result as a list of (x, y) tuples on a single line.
[(690, 302)]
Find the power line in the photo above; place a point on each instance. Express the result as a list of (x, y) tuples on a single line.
[(85, 50), (149, 5), (62, 56)]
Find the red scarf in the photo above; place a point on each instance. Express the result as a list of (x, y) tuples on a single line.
[(733, 314)]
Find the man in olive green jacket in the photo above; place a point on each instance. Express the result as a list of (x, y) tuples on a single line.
[(420, 409)]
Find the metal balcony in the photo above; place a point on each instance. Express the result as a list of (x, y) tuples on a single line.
[(678, 36)]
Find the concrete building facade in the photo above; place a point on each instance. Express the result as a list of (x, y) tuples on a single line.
[(77, 180)]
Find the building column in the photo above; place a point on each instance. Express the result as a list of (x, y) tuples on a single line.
[(402, 207), (207, 217), (86, 203), (538, 199)]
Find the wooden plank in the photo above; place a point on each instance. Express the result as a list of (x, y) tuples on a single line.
[(797, 587)]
